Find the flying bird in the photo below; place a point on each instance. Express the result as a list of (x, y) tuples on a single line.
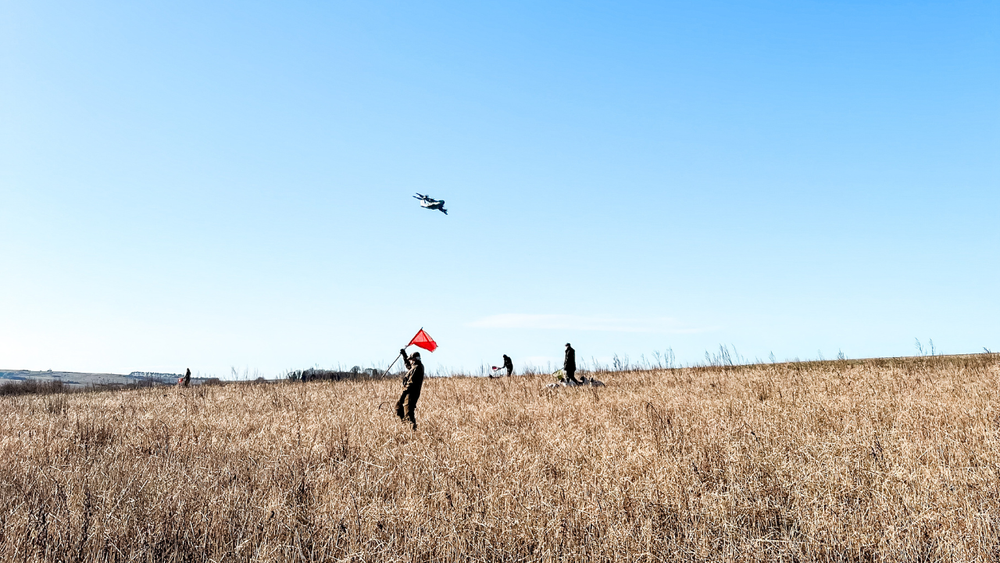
[(427, 202)]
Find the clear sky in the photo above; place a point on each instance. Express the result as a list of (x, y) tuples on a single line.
[(221, 185)]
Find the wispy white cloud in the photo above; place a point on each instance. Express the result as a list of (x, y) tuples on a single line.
[(580, 322)]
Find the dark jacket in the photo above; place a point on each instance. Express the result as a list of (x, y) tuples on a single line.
[(507, 362), (415, 373), (569, 364)]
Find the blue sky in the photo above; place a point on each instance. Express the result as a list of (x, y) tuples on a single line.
[(220, 185)]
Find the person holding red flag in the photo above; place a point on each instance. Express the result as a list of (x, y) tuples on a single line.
[(413, 381)]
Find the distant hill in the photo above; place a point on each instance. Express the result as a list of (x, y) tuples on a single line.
[(80, 379)]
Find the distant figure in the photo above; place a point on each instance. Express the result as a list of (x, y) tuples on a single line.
[(569, 364), (187, 378), (507, 363), (412, 382)]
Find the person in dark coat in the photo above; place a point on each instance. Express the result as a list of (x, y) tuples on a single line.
[(569, 364), (507, 363), (412, 382), (187, 378)]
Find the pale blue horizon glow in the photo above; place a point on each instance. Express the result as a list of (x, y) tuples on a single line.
[(221, 186)]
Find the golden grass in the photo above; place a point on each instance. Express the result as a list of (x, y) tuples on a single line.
[(882, 460)]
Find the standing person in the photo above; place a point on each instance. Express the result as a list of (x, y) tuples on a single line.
[(187, 378), (412, 382), (507, 363), (569, 364)]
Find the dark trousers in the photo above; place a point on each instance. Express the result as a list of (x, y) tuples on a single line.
[(407, 403), (510, 370), (571, 375)]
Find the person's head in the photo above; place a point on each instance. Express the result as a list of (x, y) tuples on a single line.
[(567, 345), (415, 356), (506, 357)]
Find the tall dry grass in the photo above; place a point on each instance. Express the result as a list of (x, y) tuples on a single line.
[(886, 460)]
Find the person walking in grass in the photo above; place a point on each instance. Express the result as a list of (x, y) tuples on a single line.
[(412, 382), (187, 378), (569, 364), (508, 364)]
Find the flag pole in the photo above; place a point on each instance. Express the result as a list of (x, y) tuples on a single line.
[(390, 365)]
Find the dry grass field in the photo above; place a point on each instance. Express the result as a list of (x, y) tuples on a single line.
[(881, 460)]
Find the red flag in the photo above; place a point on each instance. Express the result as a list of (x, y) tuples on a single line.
[(424, 340)]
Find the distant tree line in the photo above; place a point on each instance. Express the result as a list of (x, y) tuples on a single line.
[(315, 374)]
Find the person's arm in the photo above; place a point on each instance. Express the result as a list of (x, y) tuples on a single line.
[(406, 359)]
